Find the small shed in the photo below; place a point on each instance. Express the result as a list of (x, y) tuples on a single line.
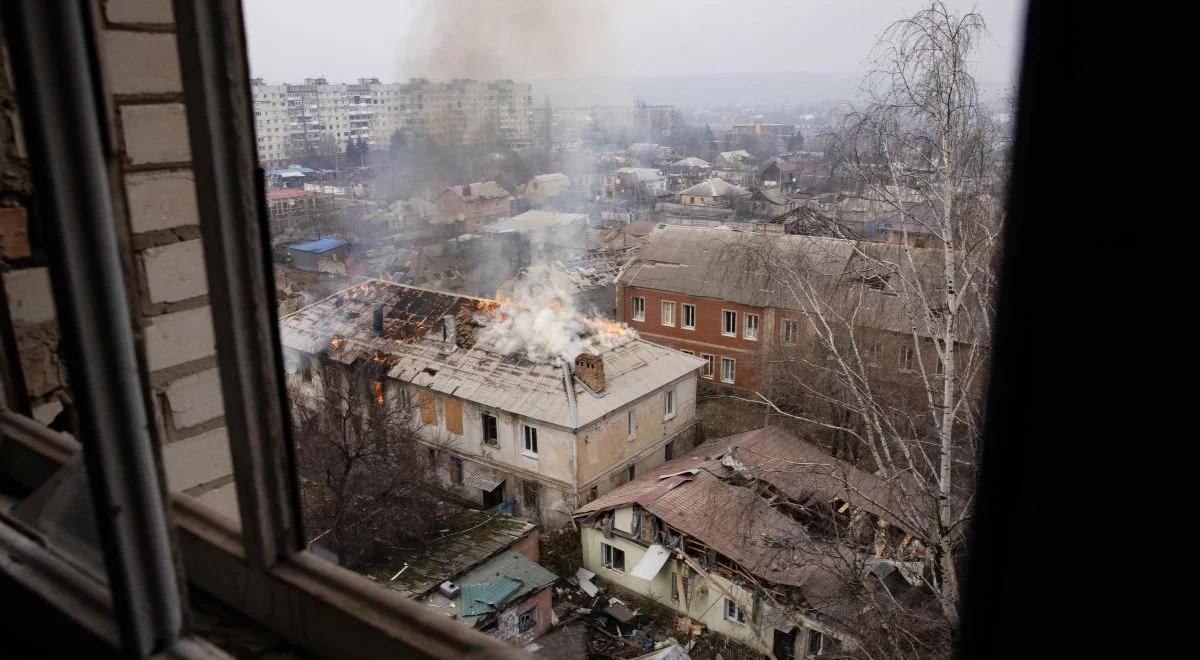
[(310, 254)]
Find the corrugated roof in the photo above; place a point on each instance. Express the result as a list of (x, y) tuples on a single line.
[(320, 245), (509, 564), (477, 599), (481, 478), (341, 328), (715, 187)]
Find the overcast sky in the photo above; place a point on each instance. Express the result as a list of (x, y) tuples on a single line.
[(536, 39)]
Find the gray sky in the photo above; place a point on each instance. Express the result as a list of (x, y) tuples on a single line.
[(534, 39)]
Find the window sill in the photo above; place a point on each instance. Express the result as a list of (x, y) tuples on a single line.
[(726, 334), (529, 454), (668, 325), (640, 320), (727, 381), (669, 417), (688, 327)]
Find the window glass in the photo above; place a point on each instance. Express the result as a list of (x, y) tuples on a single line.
[(729, 323)]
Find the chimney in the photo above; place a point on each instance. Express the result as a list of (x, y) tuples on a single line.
[(449, 332), (590, 370), (377, 321)]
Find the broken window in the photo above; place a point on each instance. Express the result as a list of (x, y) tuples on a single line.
[(530, 436), (613, 558), (816, 641), (669, 451), (490, 434), (639, 308), (528, 620), (734, 612)]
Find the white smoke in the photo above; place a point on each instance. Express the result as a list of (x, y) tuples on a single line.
[(541, 323)]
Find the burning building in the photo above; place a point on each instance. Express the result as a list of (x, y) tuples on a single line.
[(524, 404)]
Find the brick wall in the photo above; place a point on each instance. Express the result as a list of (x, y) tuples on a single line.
[(157, 204)]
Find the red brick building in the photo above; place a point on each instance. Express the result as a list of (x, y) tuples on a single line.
[(473, 205), (701, 290)]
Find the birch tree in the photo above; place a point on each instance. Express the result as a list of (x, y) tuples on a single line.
[(897, 340)]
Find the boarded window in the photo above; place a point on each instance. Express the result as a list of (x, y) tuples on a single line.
[(453, 408), (428, 408)]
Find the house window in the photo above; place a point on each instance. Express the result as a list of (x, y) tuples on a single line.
[(613, 558), (816, 643), (734, 612), (876, 351), (941, 368), (456, 470), (728, 369), (632, 472), (668, 313), (530, 492), (639, 308), (791, 329), (670, 405), (751, 327), (528, 620), (710, 364), (631, 423), (490, 435), (689, 316), (593, 493), (906, 358), (669, 451), (674, 586), (729, 326), (477, 207), (530, 436)]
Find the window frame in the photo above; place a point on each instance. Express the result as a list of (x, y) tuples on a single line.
[(725, 317), (670, 404), (494, 441), (635, 303), (710, 367), (528, 433), (733, 369), (746, 326), (683, 319), (906, 358), (663, 307), (631, 424), (531, 615), (738, 614), (794, 326), (608, 557)]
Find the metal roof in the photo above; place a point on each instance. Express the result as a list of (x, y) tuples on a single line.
[(477, 599), (481, 478), (319, 245), (341, 328), (715, 187), (534, 220), (509, 564)]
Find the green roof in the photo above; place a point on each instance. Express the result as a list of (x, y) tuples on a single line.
[(483, 598)]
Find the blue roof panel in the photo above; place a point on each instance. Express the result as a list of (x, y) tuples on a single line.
[(319, 245)]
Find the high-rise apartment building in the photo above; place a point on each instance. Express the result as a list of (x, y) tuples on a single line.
[(316, 116)]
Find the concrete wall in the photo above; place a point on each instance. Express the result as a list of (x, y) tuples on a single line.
[(606, 449)]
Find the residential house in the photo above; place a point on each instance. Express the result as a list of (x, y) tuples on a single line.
[(712, 535), (469, 207), (504, 425), (590, 280), (688, 172), (543, 186), (784, 174), (712, 192), (636, 184), (697, 289), (769, 204)]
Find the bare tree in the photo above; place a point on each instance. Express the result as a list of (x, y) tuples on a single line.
[(892, 364), (363, 473)]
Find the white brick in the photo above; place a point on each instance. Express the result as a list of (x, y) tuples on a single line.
[(155, 133), (141, 62), (180, 337), (197, 460), (161, 200), (30, 299), (195, 399), (224, 501), (139, 11), (175, 272)]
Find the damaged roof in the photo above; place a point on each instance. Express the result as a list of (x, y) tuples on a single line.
[(342, 328), (504, 579), (535, 220), (595, 270), (697, 496), (476, 191)]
